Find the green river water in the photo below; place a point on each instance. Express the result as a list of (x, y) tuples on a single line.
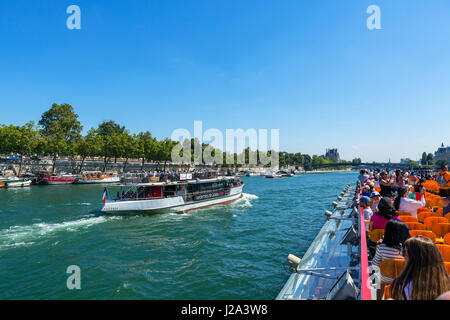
[(235, 251)]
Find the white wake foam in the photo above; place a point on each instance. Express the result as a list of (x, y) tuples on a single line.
[(27, 235), (245, 200)]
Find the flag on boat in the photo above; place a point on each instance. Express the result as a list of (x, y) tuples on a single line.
[(105, 194)]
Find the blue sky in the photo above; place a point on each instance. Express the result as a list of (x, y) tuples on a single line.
[(311, 69)]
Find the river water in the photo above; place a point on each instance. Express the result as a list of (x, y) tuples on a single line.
[(235, 251)]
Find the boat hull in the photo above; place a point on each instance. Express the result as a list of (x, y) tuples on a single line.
[(55, 182), (175, 204), (17, 184), (95, 181)]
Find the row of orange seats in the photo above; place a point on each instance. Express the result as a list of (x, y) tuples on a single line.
[(431, 186)]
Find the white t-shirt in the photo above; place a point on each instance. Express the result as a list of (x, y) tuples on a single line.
[(367, 216), (411, 205)]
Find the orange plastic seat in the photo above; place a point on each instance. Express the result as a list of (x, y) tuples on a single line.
[(447, 267), (447, 216), (376, 234), (408, 219), (387, 292), (416, 226), (428, 222), (440, 212), (425, 233), (391, 268), (440, 229), (403, 213), (445, 251), (421, 216), (424, 209), (447, 239)]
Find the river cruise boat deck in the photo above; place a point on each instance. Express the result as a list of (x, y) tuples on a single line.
[(177, 196)]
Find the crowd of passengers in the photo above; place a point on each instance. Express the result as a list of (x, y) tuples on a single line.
[(424, 276)]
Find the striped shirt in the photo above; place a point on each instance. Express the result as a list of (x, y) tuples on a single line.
[(383, 253)]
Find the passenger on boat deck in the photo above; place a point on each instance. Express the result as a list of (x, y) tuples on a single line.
[(386, 184), (395, 235), (376, 197), (424, 276), (403, 203), (412, 178), (385, 213), (366, 191), (446, 203), (365, 203), (363, 176)]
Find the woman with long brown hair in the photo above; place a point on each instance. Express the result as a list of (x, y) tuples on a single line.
[(424, 276)]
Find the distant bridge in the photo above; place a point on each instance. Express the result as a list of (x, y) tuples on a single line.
[(372, 165)]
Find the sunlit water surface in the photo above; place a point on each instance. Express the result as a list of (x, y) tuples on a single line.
[(234, 251)]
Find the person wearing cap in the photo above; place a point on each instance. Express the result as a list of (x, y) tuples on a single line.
[(364, 202), (376, 197), (366, 191)]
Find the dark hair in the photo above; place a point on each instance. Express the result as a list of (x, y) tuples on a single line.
[(385, 208), (395, 234), (400, 193)]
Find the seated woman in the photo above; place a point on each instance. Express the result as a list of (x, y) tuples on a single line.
[(403, 203), (424, 276), (385, 213), (395, 235)]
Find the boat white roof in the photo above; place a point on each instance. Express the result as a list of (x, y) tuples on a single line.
[(181, 182)]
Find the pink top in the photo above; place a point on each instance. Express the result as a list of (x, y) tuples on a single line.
[(380, 222)]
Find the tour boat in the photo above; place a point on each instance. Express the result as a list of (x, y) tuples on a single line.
[(57, 179), (97, 177), (14, 182), (177, 196), (280, 174)]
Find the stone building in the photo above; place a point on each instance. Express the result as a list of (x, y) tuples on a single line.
[(332, 154), (442, 153)]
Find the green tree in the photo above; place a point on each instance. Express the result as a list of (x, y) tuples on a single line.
[(20, 140), (111, 147), (90, 145), (146, 147), (430, 159), (130, 147), (441, 162), (424, 160), (164, 150), (60, 130)]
